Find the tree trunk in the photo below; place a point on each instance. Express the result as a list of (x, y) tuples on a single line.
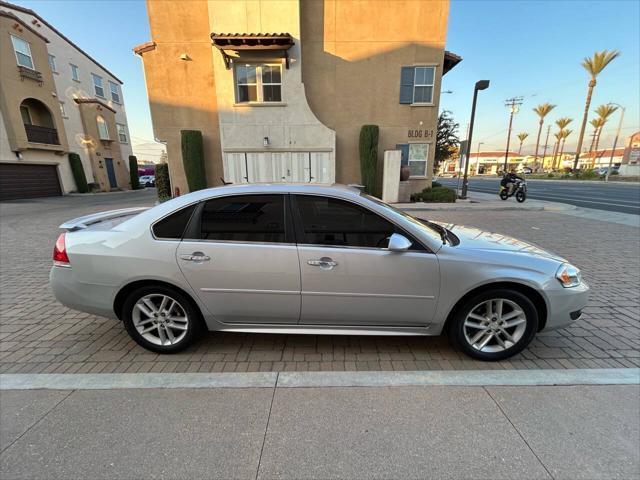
[(597, 143), (587, 104), (556, 146), (562, 149), (535, 157), (520, 149)]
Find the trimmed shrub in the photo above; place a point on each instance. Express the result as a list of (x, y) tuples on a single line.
[(133, 172), (369, 156), (438, 194), (193, 159), (163, 185), (78, 173), (550, 175), (436, 185)]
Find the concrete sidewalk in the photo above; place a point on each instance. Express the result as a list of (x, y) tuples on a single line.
[(309, 432)]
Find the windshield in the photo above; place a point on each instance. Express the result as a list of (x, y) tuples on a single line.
[(432, 230)]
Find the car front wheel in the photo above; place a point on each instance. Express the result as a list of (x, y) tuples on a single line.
[(494, 325), (161, 319)]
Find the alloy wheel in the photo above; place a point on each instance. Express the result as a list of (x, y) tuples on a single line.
[(495, 325), (160, 319)]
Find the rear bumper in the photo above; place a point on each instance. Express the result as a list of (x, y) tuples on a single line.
[(565, 305), (85, 297)]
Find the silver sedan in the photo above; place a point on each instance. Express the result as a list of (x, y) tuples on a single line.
[(309, 259)]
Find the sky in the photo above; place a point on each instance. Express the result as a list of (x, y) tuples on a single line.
[(527, 48)]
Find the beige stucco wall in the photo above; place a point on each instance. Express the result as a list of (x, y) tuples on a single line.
[(352, 53)]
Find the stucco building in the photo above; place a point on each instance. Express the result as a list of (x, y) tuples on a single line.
[(56, 99), (281, 88)]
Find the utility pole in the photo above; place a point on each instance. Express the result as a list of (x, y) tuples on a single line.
[(546, 144), (514, 105)]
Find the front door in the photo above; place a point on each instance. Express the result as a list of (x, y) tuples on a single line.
[(241, 259), (111, 173), (349, 277)]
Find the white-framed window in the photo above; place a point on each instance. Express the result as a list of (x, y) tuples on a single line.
[(26, 115), (52, 63), (75, 73), (423, 82), (103, 130), (98, 86), (115, 91), (122, 133), (62, 110), (23, 52), (260, 83), (418, 155)]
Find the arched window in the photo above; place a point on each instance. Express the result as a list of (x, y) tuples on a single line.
[(103, 130)]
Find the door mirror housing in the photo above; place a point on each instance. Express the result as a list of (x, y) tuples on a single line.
[(399, 243)]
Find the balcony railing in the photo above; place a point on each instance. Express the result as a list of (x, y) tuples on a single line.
[(38, 134)]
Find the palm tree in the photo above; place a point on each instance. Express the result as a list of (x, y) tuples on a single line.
[(603, 112), (556, 148), (597, 123), (542, 111), (594, 66), (522, 137), (565, 134)]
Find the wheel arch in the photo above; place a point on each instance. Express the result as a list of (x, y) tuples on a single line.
[(534, 295)]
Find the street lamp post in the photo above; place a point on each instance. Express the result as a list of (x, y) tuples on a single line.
[(478, 157), (480, 85), (615, 141)]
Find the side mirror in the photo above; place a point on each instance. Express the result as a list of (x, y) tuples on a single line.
[(398, 243)]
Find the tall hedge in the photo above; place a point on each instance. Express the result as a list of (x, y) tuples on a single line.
[(369, 156), (163, 185), (133, 172), (193, 159), (78, 173)]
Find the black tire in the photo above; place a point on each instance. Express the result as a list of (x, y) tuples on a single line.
[(194, 324), (504, 194), (456, 327), (521, 196)]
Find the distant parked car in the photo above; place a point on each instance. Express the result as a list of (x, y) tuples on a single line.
[(147, 181), (527, 170)]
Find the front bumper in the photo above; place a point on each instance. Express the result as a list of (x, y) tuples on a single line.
[(85, 297), (565, 305)]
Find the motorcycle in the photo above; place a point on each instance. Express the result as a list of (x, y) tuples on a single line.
[(519, 190)]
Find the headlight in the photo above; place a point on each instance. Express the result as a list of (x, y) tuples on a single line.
[(568, 275)]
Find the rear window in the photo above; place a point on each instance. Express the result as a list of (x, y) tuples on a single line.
[(173, 226)]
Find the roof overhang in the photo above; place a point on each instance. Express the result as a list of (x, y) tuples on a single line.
[(237, 42), (93, 100), (450, 61)]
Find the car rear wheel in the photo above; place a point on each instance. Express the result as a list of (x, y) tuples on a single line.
[(494, 325), (161, 319)]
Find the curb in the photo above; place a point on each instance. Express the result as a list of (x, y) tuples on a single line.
[(463, 378)]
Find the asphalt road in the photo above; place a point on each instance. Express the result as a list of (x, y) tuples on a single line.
[(613, 196)]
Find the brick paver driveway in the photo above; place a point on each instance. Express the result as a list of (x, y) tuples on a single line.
[(39, 335)]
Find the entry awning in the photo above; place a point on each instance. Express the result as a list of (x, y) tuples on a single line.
[(236, 42)]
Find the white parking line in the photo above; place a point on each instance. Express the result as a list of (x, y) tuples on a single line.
[(110, 381)]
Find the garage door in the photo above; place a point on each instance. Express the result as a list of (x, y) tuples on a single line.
[(278, 167), (28, 181)]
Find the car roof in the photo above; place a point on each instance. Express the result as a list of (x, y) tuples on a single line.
[(317, 188)]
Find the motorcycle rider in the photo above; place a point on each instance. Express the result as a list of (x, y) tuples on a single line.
[(509, 180)]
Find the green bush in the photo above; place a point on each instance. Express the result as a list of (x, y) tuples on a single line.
[(614, 172), (133, 172), (437, 194), (550, 175), (435, 184), (163, 185), (78, 173), (369, 156), (193, 159), (587, 175)]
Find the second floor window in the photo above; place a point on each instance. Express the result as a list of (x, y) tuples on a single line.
[(52, 63), (75, 74), (98, 85), (23, 52), (115, 91), (258, 83), (103, 130), (417, 85), (122, 133)]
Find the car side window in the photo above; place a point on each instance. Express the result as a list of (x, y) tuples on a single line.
[(173, 226), (244, 218), (330, 221)]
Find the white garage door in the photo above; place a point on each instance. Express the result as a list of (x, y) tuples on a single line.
[(278, 167)]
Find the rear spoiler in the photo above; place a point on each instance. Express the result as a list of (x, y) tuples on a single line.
[(84, 222)]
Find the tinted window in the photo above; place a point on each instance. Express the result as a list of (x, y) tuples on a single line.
[(246, 218), (328, 221), (173, 226)]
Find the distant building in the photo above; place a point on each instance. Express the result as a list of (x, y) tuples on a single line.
[(289, 107), (483, 163), (55, 99)]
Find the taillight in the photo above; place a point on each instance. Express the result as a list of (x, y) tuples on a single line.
[(60, 252)]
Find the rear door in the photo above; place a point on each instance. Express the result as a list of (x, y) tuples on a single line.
[(240, 257)]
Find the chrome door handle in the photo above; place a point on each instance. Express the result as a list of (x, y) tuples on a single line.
[(196, 257), (324, 263)]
